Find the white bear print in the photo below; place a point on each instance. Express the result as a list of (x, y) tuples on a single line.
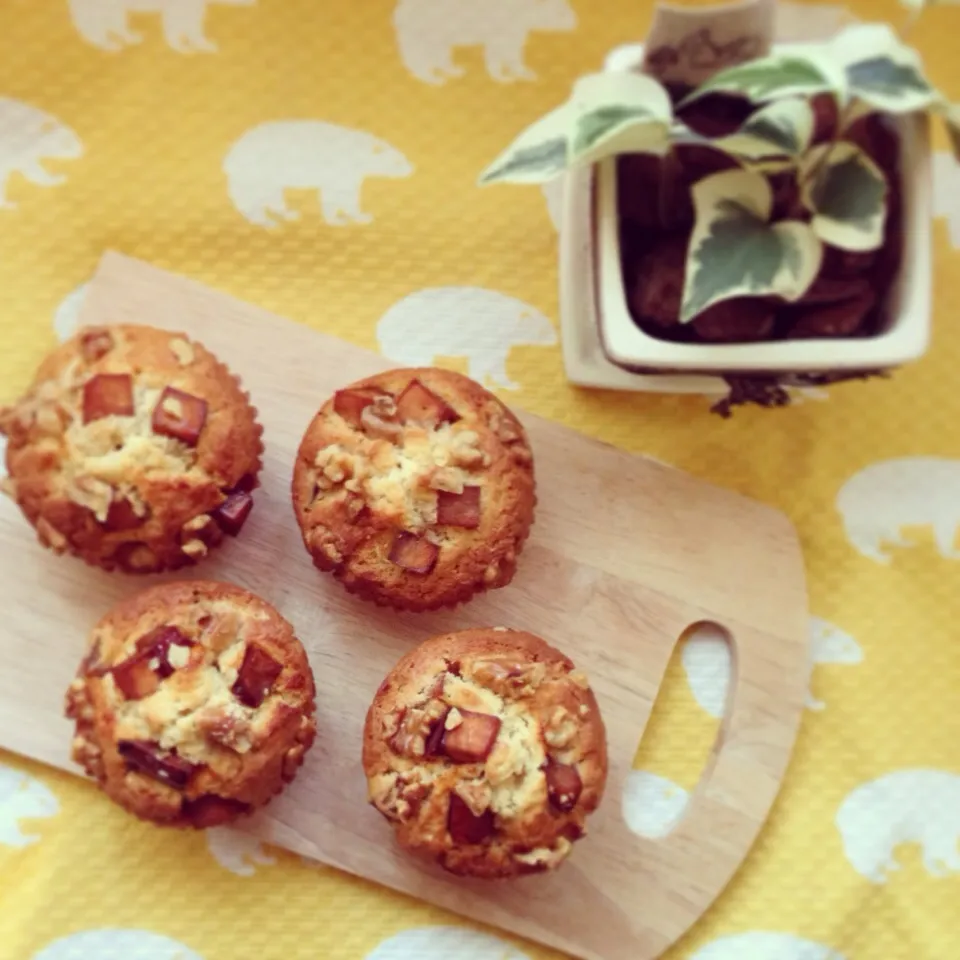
[(946, 193), (479, 324), (28, 136), (765, 945), (705, 656), (910, 491), (830, 644), (309, 155), (22, 797), (115, 945), (106, 23), (652, 805), (906, 806), (66, 318), (706, 660), (237, 851), (444, 943), (428, 32)]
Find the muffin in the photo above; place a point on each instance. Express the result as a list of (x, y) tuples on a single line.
[(134, 449), (486, 751), (415, 488), (194, 704)]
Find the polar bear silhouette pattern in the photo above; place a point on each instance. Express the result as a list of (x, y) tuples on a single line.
[(428, 31), (115, 944), (906, 806), (765, 945), (66, 318), (473, 322), (652, 805), (236, 851), (308, 155), (444, 943), (706, 660), (28, 136), (22, 797), (881, 499), (830, 644), (106, 23)]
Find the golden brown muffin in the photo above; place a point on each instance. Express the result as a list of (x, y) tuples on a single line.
[(194, 704), (486, 750), (134, 449), (415, 488)]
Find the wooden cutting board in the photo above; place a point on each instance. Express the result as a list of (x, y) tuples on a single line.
[(625, 554)]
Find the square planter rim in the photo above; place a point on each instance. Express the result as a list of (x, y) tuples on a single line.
[(905, 338)]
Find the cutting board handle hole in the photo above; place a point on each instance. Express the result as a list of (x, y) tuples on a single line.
[(684, 733)]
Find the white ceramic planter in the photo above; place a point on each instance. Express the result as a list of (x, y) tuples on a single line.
[(904, 336)]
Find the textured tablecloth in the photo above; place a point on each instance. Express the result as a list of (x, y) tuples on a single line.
[(193, 135)]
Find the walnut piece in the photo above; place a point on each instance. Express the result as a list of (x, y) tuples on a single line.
[(195, 549), (476, 794), (375, 419), (183, 351), (560, 728)]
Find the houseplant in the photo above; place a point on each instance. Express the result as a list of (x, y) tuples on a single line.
[(753, 227)]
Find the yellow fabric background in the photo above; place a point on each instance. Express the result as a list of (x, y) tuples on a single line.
[(155, 126)]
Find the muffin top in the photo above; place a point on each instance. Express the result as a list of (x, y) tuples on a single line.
[(415, 485), (128, 447), (192, 693), (487, 751)]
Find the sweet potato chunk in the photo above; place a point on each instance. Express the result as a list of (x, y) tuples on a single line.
[(420, 405), (256, 676), (563, 785), (472, 739), (232, 514), (433, 747), (149, 758), (140, 674), (106, 395), (413, 553), (464, 826), (180, 415), (459, 509)]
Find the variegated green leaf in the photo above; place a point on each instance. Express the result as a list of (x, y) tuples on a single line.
[(881, 70), (768, 78), (606, 113), (847, 194), (735, 251), (618, 112), (783, 128), (537, 155)]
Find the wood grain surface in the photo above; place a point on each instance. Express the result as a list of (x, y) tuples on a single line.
[(625, 554)]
